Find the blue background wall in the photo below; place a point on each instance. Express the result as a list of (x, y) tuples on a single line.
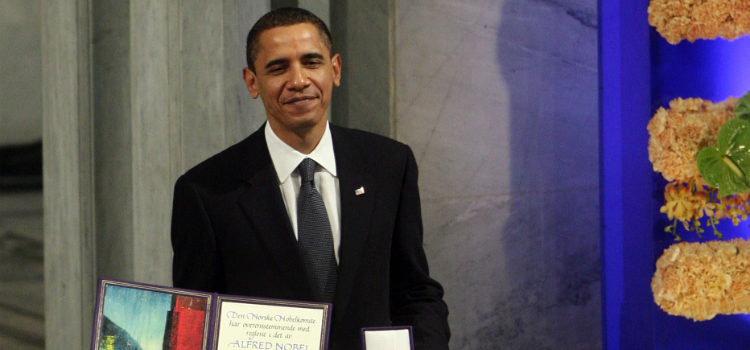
[(640, 71)]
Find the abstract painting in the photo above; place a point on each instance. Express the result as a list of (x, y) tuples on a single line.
[(132, 316)]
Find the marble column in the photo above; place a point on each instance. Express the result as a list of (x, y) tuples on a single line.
[(363, 34), (69, 275), (135, 93), (168, 94), (321, 8)]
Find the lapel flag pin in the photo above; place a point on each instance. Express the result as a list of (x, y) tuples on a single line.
[(360, 191)]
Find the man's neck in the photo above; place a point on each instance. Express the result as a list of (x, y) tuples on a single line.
[(302, 140)]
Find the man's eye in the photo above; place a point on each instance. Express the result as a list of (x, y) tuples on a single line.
[(313, 63)]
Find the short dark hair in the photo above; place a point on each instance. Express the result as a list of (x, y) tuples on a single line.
[(284, 16)]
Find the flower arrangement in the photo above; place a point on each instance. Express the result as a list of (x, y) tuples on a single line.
[(678, 133), (703, 149), (676, 20), (700, 280), (684, 147)]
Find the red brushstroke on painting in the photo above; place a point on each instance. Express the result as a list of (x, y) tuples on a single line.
[(187, 321)]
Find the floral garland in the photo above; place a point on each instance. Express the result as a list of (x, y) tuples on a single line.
[(703, 149), (677, 135), (676, 20), (700, 280)]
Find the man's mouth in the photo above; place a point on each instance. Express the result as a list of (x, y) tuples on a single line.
[(299, 100)]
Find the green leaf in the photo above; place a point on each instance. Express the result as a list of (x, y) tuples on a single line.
[(742, 110), (727, 166), (715, 170)]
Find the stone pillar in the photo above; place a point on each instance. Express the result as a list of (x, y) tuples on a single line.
[(321, 8), (169, 93), (363, 33), (68, 174), (135, 93)]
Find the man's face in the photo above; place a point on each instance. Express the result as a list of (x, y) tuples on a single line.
[(294, 76)]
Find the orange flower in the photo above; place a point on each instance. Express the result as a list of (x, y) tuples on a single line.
[(683, 203), (676, 20), (701, 280), (677, 135)]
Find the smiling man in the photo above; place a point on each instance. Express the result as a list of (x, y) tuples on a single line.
[(305, 210), (292, 70)]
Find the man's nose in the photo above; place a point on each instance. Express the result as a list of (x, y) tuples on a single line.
[(299, 79)]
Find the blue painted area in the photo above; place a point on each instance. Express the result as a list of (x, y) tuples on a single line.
[(610, 143), (142, 313), (627, 186), (710, 69), (640, 71)]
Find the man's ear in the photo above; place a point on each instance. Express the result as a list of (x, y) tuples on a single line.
[(336, 63), (251, 81)]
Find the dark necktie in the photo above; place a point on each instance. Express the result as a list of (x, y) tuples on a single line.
[(314, 234)]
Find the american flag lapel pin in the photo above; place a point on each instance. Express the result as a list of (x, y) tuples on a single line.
[(360, 191)]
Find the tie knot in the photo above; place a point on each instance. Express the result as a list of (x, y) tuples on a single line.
[(306, 169)]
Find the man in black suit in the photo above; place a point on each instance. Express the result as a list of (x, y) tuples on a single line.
[(235, 225)]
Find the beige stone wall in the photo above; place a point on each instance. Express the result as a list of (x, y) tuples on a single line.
[(498, 99)]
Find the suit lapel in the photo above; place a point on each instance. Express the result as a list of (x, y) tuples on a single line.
[(356, 214), (265, 209)]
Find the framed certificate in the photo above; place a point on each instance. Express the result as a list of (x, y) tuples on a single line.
[(250, 323), (136, 316)]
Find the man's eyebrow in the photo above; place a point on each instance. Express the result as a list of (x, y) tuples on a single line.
[(282, 61), (312, 55)]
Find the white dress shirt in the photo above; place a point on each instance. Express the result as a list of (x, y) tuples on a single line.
[(285, 161)]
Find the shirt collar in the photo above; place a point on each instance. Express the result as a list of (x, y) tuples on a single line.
[(286, 159)]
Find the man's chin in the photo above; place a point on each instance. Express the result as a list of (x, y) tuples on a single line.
[(301, 124)]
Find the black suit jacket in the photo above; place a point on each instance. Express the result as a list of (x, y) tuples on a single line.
[(231, 234)]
